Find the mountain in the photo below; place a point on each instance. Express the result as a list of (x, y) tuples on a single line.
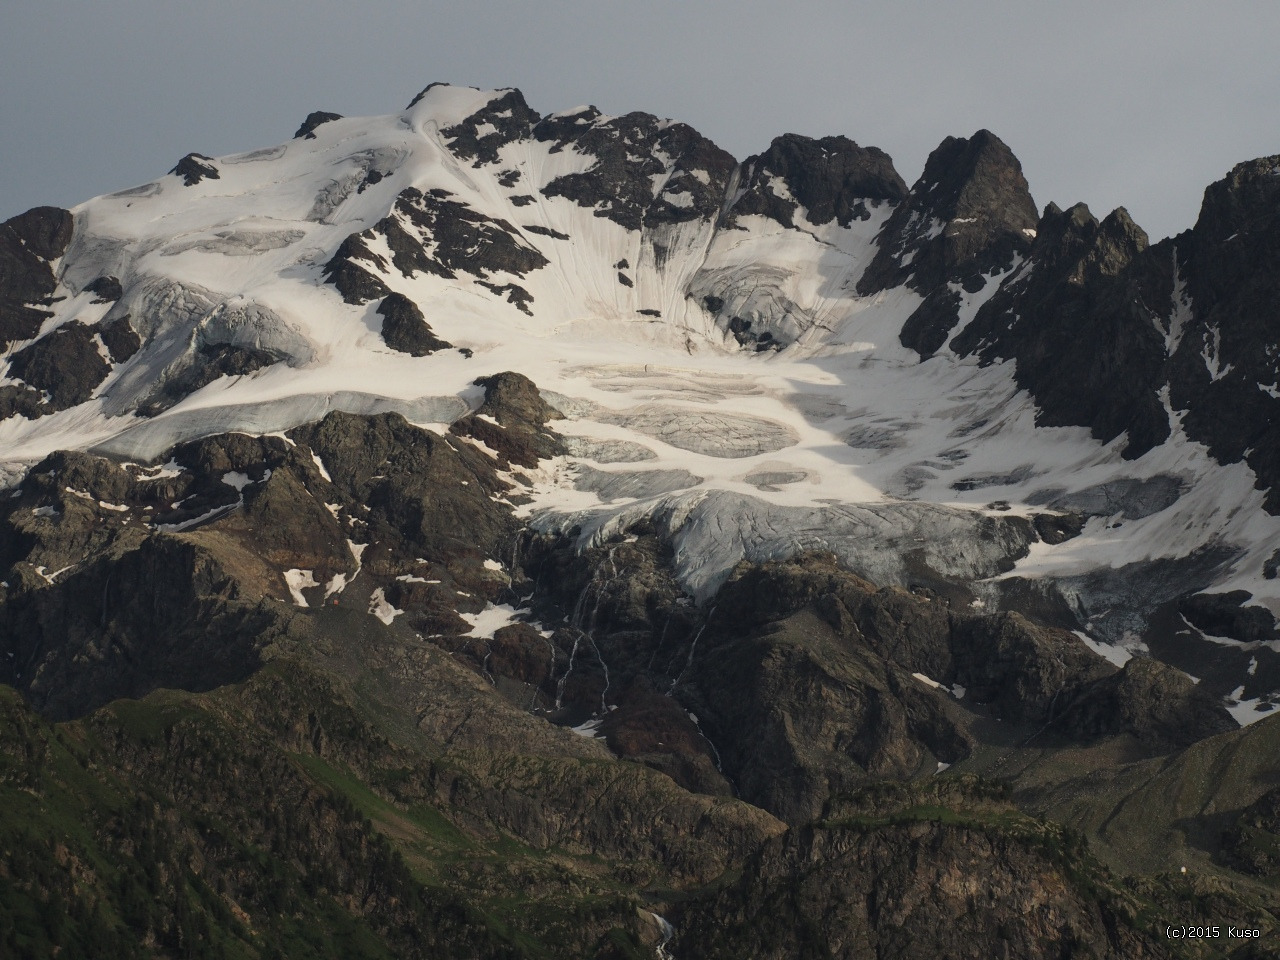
[(472, 532)]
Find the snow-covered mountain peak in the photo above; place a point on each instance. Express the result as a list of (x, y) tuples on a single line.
[(791, 352)]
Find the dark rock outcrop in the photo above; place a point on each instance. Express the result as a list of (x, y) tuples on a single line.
[(620, 184), (65, 364), (431, 233), (1161, 706), (20, 401), (511, 420), (357, 284), (1225, 366), (1225, 615), (120, 339), (505, 118), (107, 289), (28, 242), (314, 119), (195, 167), (405, 329), (832, 179), (1080, 319), (969, 214), (209, 362)]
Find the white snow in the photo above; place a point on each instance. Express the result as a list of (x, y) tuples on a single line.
[(196, 521), (315, 458), (491, 619), (236, 480), (297, 581), (1246, 712), (1118, 655), (52, 577), (381, 608), (589, 728)]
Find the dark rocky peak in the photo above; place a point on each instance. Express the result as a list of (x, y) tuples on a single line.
[(314, 119), (28, 242), (970, 213), (1082, 320), (501, 121), (195, 167), (1076, 245), (633, 154), (1226, 367), (832, 178), (44, 231), (1236, 238), (1245, 201), (514, 400)]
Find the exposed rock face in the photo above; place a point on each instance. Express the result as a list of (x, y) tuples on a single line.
[(805, 680), (107, 288), (356, 283), (1226, 615), (404, 328), (1226, 361), (1099, 323), (969, 215), (120, 339), (502, 120), (1159, 705), (621, 183), (315, 119), (204, 365), (1253, 841), (966, 216), (832, 179), (152, 579), (511, 420), (905, 888), (195, 167), (1080, 318), (28, 242), (430, 233), (65, 364)]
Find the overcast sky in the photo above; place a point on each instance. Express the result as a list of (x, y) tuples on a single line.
[(1139, 104)]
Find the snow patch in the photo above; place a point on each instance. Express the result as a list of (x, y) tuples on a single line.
[(381, 608), (297, 581), (491, 619)]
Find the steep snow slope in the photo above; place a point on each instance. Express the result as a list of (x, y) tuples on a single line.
[(702, 332)]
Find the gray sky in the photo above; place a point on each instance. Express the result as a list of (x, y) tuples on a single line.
[(1139, 103)]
